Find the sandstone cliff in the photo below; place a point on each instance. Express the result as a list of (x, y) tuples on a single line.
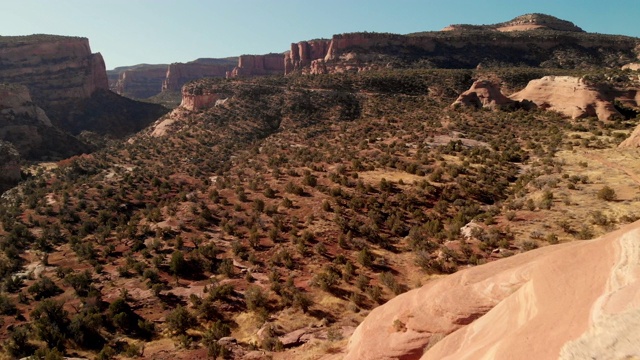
[(179, 74), (144, 81), (570, 96), (544, 41), (140, 81), (29, 130), (258, 65), (578, 300), (70, 83), (54, 68), (302, 54)]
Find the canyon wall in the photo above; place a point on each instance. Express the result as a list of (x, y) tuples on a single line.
[(140, 82), (553, 44), (144, 81), (258, 65), (179, 74), (54, 68), (70, 84), (29, 130), (302, 54)]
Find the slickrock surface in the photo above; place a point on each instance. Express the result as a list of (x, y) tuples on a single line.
[(570, 96), (578, 300), (633, 140)]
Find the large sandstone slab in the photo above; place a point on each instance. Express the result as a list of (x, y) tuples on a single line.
[(577, 300)]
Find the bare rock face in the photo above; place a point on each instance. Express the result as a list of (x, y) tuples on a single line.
[(9, 166), (70, 84), (633, 141), (28, 129), (570, 96), (54, 68), (302, 54), (578, 300), (483, 94), (179, 74), (631, 66), (140, 82), (258, 65)]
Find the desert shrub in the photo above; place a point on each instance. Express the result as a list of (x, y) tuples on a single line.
[(606, 194), (180, 320), (51, 323), (44, 288), (255, 298)]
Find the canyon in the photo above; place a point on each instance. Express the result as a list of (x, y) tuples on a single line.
[(70, 84)]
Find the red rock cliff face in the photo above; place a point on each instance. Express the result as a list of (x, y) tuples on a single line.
[(141, 82), (179, 74), (56, 69), (195, 100), (258, 65), (303, 53)]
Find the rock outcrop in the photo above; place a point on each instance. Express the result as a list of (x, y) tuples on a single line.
[(570, 96), (522, 23), (70, 84), (144, 80), (631, 66), (302, 54), (578, 300), (483, 94), (140, 81), (54, 68), (633, 141), (28, 128), (179, 74), (561, 45), (258, 65)]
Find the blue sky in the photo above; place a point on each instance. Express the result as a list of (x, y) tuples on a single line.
[(129, 32)]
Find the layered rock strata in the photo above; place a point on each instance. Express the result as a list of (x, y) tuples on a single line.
[(56, 69), (141, 81), (179, 74), (578, 300), (258, 65)]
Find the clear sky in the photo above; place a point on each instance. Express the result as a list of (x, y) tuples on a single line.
[(129, 32)]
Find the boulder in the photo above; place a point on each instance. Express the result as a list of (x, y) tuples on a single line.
[(483, 94), (570, 96)]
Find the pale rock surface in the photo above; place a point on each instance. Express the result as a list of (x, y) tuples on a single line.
[(633, 141), (578, 300), (570, 96), (482, 94)]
